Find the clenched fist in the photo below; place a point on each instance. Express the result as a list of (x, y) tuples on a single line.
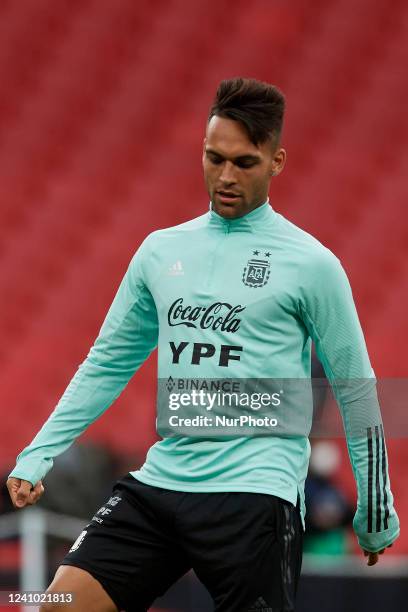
[(23, 493), (373, 556)]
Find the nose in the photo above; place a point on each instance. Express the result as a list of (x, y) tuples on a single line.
[(227, 176)]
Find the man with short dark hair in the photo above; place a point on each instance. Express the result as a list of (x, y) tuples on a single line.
[(233, 299)]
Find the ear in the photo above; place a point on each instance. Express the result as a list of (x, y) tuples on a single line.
[(278, 162)]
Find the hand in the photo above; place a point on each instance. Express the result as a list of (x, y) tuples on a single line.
[(23, 493), (373, 556)]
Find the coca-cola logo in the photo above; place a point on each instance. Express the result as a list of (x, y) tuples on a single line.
[(218, 316)]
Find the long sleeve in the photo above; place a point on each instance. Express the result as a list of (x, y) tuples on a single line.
[(126, 338), (329, 314)]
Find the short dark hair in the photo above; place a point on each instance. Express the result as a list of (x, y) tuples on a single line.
[(257, 105)]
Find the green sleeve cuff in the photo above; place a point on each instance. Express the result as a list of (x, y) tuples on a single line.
[(375, 541), (32, 469)]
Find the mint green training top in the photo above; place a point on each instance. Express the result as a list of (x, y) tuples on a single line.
[(266, 288)]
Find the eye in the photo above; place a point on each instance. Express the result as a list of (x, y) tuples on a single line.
[(245, 163), (214, 159)]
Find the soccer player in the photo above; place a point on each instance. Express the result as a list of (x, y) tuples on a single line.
[(236, 294)]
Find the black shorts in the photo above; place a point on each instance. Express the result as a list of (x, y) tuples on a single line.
[(246, 548)]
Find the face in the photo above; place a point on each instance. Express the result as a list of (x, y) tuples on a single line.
[(237, 173)]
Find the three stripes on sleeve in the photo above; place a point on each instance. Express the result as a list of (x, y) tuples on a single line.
[(377, 502)]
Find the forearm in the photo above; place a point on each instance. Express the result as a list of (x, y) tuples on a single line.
[(376, 522), (90, 392)]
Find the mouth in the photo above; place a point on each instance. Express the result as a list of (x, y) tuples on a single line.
[(227, 197)]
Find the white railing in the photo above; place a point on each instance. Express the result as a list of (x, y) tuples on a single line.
[(32, 526)]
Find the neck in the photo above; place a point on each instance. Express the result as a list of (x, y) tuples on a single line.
[(230, 209), (254, 220)]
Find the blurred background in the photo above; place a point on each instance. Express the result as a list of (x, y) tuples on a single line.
[(103, 105)]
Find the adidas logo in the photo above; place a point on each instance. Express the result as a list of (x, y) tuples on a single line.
[(176, 269), (260, 606)]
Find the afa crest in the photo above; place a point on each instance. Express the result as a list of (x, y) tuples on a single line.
[(256, 273)]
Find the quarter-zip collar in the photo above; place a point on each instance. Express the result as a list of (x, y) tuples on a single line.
[(259, 218)]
